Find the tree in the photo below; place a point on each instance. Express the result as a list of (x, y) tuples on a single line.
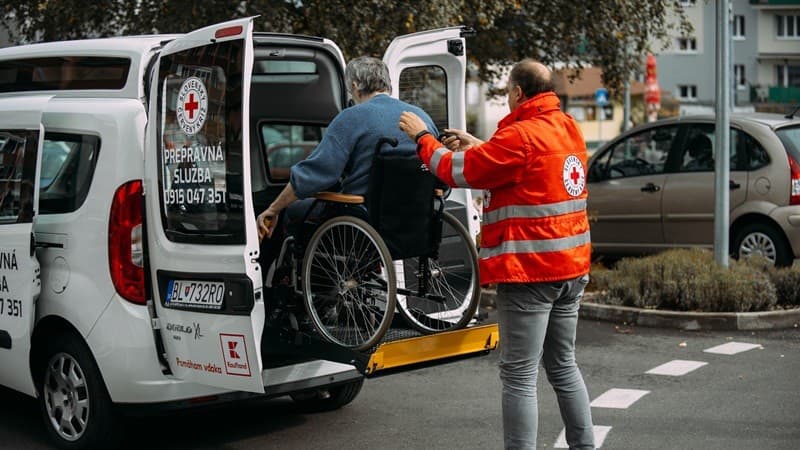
[(612, 34)]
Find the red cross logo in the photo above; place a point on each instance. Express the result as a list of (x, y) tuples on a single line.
[(575, 175), (191, 105)]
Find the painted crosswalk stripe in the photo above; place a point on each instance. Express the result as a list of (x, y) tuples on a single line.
[(676, 367), (732, 348), (600, 433), (618, 398)]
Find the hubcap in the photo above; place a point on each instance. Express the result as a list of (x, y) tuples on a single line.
[(66, 396), (758, 244)]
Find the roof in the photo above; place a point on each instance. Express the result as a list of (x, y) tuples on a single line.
[(585, 86), (106, 46), (770, 120)]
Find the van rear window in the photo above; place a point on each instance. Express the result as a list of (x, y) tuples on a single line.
[(63, 73)]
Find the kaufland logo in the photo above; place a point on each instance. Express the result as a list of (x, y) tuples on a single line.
[(234, 352)]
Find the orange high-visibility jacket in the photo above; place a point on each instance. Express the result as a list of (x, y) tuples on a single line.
[(535, 226)]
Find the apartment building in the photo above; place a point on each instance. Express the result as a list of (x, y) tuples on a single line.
[(765, 56)]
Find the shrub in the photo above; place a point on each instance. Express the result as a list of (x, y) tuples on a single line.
[(686, 280), (785, 279)]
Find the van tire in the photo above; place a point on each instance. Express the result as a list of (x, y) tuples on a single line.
[(70, 353), (340, 396), (755, 235)]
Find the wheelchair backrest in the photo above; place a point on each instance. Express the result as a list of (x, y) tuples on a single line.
[(400, 203)]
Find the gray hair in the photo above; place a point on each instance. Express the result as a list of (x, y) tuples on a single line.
[(369, 74)]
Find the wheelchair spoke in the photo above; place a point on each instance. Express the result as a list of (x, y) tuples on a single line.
[(345, 303), (451, 286)]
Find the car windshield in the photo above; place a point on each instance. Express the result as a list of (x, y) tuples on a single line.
[(790, 136)]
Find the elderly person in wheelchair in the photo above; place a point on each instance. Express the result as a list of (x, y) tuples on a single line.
[(332, 256), (345, 152)]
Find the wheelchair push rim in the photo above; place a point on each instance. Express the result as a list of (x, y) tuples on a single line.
[(348, 283), (452, 285)]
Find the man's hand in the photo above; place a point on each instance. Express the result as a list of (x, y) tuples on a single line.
[(266, 222), (459, 140), (411, 124)]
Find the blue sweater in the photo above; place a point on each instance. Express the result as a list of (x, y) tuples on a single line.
[(347, 148)]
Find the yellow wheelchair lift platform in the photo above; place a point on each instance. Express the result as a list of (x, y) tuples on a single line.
[(421, 349)]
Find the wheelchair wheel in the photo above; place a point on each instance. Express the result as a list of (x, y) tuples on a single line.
[(348, 282), (441, 294)]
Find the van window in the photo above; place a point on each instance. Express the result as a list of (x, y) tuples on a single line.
[(200, 144), (63, 73), (68, 162), (17, 172), (285, 145), (426, 87)]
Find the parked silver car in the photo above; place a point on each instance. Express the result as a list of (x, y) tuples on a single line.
[(652, 187)]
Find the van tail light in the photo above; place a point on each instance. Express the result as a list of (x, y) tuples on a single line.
[(794, 169), (125, 250)]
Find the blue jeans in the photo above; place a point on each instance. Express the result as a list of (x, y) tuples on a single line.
[(537, 323)]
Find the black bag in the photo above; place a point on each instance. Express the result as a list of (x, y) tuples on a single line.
[(400, 202)]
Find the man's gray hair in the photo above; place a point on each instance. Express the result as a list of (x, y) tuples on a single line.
[(369, 74)]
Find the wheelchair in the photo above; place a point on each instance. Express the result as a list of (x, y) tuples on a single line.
[(363, 259)]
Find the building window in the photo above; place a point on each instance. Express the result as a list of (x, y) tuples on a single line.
[(738, 27), (787, 27), (739, 77), (687, 92), (788, 76), (688, 45), (688, 2)]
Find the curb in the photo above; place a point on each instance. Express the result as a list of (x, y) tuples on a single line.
[(681, 320)]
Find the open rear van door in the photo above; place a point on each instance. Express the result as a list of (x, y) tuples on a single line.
[(429, 69), (21, 137), (201, 231)]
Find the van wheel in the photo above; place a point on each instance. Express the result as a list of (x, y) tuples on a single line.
[(75, 405), (328, 399), (762, 239)]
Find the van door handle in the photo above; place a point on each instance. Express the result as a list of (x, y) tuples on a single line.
[(734, 185), (650, 187)]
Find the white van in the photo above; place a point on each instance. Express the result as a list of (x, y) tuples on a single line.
[(91, 236)]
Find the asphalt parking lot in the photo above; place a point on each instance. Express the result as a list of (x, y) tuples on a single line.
[(743, 398)]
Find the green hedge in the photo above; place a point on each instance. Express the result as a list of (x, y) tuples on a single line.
[(690, 280)]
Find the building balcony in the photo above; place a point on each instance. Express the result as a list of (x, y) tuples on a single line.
[(778, 94)]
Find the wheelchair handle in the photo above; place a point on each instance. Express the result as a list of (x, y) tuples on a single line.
[(385, 140)]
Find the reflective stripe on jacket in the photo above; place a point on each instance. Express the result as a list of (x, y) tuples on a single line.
[(535, 226)]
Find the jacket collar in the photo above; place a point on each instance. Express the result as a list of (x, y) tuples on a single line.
[(539, 104)]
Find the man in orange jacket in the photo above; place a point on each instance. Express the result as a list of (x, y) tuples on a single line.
[(534, 244)]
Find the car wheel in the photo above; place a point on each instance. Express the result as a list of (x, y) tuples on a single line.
[(73, 400), (328, 399), (764, 240)]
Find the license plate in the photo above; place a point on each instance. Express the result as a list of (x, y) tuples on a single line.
[(197, 294)]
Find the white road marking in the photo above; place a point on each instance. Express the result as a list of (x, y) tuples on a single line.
[(600, 433), (676, 367), (732, 348), (618, 398)]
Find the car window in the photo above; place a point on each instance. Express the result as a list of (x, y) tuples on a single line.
[(643, 153), (67, 168), (790, 136), (287, 144), (755, 155), (17, 171), (698, 150)]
